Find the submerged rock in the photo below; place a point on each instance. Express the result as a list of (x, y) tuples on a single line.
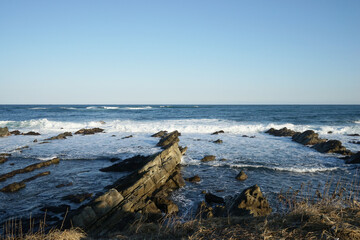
[(354, 142), (353, 159), (56, 209), (219, 141), (61, 136), (308, 137), (16, 186), (283, 132), (64, 185), (353, 135), (195, 178), (208, 158), (4, 132), (241, 176), (90, 131), (130, 136), (218, 132), (250, 202), (332, 146)]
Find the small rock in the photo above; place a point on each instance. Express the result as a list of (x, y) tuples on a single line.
[(219, 141), (330, 132), (332, 146), (353, 135), (61, 136), (56, 209), (3, 159), (211, 198), (64, 185), (31, 133), (130, 136), (241, 176), (353, 159), (245, 136), (35, 141), (308, 137), (16, 186), (113, 135), (354, 142), (195, 178), (89, 131), (203, 192), (223, 159), (218, 132), (16, 132), (208, 158)]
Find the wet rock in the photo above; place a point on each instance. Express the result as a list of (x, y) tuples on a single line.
[(102, 122), (241, 176), (219, 141), (308, 137), (330, 132), (283, 132), (114, 159), (35, 141), (29, 168), (223, 159), (169, 139), (219, 190), (21, 148), (165, 205), (128, 165), (250, 202), (3, 159), (31, 133), (160, 134), (16, 186), (15, 132), (332, 146), (183, 150), (208, 158), (353, 135), (44, 142), (195, 178), (130, 136), (61, 136), (77, 198), (247, 135), (4, 132), (211, 198), (354, 142), (56, 209), (113, 135), (203, 192), (90, 131), (5, 154), (353, 159), (64, 185), (218, 132)]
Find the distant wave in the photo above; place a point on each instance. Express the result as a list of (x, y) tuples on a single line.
[(357, 122), (38, 108), (138, 108), (111, 107), (69, 108)]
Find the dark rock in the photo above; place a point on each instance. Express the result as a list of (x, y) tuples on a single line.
[(353, 135), (56, 209), (85, 131), (353, 159), (283, 132), (113, 135), (217, 132), (204, 210), (241, 176), (44, 142), (183, 150), (114, 159), (77, 198), (332, 146), (12, 164), (167, 206), (35, 141), (220, 190), (308, 137), (203, 192), (247, 135), (160, 134), (211, 198), (195, 178), (169, 139), (16, 186), (31, 133), (29, 168), (354, 142), (223, 159), (250, 202), (208, 158), (4, 132), (128, 165), (15, 132), (21, 148), (36, 176), (252, 137), (330, 132), (5, 154), (219, 141), (64, 185), (3, 159), (130, 136), (61, 136)]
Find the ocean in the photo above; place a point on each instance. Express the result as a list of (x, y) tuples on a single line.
[(273, 163)]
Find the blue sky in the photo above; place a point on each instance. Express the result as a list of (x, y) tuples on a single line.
[(180, 52)]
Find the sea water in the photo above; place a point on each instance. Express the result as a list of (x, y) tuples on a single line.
[(273, 163)]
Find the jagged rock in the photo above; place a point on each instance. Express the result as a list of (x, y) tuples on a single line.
[(332, 146), (204, 210), (211, 198), (133, 194), (165, 205), (4, 132), (3, 159), (160, 134), (241, 176), (15, 132), (77, 198), (353, 159), (283, 132), (64, 185), (219, 141), (217, 132), (130, 136), (61, 136), (195, 178), (208, 158), (183, 150), (31, 133), (29, 168), (127, 165), (308, 137), (169, 139), (250, 202), (85, 131)]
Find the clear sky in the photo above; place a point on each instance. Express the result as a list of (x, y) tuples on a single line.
[(180, 52)]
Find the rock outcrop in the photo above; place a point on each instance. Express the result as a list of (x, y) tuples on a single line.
[(332, 146), (353, 159), (308, 137), (208, 158), (169, 139), (4, 132), (61, 136), (160, 134), (89, 131), (218, 132), (31, 133), (219, 141), (16, 186), (128, 165), (241, 176), (195, 178), (250, 202), (283, 132), (16, 132), (144, 192)]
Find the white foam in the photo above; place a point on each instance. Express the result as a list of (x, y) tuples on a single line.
[(46, 158), (138, 108), (38, 108), (357, 122), (69, 108), (111, 108), (91, 107)]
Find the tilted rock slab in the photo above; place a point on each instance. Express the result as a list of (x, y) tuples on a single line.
[(134, 194)]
